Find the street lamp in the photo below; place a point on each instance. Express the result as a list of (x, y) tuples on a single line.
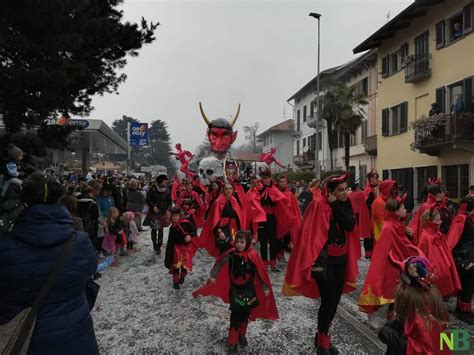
[(317, 171)]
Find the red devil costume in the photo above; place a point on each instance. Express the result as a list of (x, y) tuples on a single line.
[(275, 205), (288, 228), (179, 252), (361, 213), (433, 244), (370, 194), (461, 243), (323, 262), (224, 216), (241, 281), (269, 158), (190, 202), (382, 276), (387, 188), (415, 334), (253, 210), (184, 157)]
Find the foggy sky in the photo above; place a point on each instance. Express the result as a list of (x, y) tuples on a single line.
[(258, 53)]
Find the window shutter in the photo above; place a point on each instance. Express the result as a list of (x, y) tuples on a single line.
[(385, 67), (468, 95), (440, 28), (403, 54), (440, 98), (384, 174), (468, 14), (385, 122), (403, 116)]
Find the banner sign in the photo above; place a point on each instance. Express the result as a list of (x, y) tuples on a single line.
[(66, 121), (138, 133)]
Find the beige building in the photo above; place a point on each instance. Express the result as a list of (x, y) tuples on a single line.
[(426, 56)]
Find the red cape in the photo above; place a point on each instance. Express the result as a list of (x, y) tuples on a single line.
[(283, 213), (240, 192), (200, 212), (456, 228), (360, 207), (312, 237), (382, 276), (267, 307), (421, 339), (415, 224), (253, 210), (292, 226), (207, 239), (434, 246)]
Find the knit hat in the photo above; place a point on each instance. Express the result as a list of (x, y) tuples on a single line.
[(14, 151)]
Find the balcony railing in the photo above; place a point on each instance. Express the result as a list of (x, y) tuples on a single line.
[(371, 145), (418, 68), (305, 158), (454, 131)]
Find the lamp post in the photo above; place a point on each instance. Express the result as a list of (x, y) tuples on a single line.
[(317, 170)]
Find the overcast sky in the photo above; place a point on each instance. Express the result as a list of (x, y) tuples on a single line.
[(223, 52)]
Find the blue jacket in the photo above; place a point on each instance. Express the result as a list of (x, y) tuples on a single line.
[(64, 324), (105, 203)]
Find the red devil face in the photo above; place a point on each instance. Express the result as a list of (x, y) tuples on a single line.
[(221, 139)]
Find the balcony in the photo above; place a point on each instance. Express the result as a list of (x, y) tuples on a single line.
[(418, 68), (307, 158), (371, 145), (444, 131), (313, 122)]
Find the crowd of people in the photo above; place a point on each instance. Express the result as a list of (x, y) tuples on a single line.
[(248, 228)]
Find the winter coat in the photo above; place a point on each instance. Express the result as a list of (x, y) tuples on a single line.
[(136, 201), (64, 324), (105, 203)]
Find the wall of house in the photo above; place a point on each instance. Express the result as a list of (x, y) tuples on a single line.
[(450, 64)]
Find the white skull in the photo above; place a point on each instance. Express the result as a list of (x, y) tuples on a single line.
[(210, 169)]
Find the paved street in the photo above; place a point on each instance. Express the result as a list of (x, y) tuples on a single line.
[(138, 311)]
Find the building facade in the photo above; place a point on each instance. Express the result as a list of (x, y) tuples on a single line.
[(425, 57), (280, 137)]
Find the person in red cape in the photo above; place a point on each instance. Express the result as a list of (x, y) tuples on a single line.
[(323, 262), (253, 210), (420, 313), (362, 216), (388, 188), (382, 276), (461, 243), (224, 220), (181, 247), (274, 203), (240, 278), (214, 191), (189, 199), (431, 194), (288, 229), (176, 188), (433, 244), (370, 194)]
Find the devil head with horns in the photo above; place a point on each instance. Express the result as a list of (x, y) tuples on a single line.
[(220, 133)]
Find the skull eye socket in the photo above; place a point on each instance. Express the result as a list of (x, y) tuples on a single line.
[(209, 171), (201, 171)]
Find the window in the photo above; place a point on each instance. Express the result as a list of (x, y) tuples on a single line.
[(391, 63), (304, 142), (447, 96), (454, 90), (363, 133), (320, 140), (340, 139), (404, 54), (422, 45), (456, 179), (395, 119), (394, 63), (405, 180), (298, 120), (297, 147), (365, 86), (352, 140), (304, 113), (311, 108), (423, 174), (361, 88), (312, 143), (455, 27), (362, 175)]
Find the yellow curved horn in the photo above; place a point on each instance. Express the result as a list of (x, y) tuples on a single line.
[(208, 122), (234, 119)]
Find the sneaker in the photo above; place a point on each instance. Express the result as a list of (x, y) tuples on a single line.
[(158, 251), (233, 349), (97, 275), (176, 286), (243, 341)]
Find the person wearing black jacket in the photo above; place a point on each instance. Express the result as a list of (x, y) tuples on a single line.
[(88, 211), (159, 203)]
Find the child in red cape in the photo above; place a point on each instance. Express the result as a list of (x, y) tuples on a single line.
[(388, 188), (240, 278), (420, 312), (433, 244), (180, 248)]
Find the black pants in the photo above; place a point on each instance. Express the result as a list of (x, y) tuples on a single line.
[(369, 243), (467, 283), (267, 235), (330, 289), (237, 318), (157, 243)]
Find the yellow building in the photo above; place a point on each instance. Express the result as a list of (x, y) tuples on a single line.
[(426, 56)]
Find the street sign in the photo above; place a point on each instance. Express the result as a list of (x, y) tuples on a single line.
[(138, 133)]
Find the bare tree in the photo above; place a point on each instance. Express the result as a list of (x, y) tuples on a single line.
[(251, 136)]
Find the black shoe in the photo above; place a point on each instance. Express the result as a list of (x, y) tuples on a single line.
[(233, 349), (181, 280), (158, 251), (322, 351), (176, 286), (97, 275), (333, 350), (243, 341), (466, 317)]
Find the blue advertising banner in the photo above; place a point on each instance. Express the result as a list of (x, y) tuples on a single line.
[(138, 133)]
